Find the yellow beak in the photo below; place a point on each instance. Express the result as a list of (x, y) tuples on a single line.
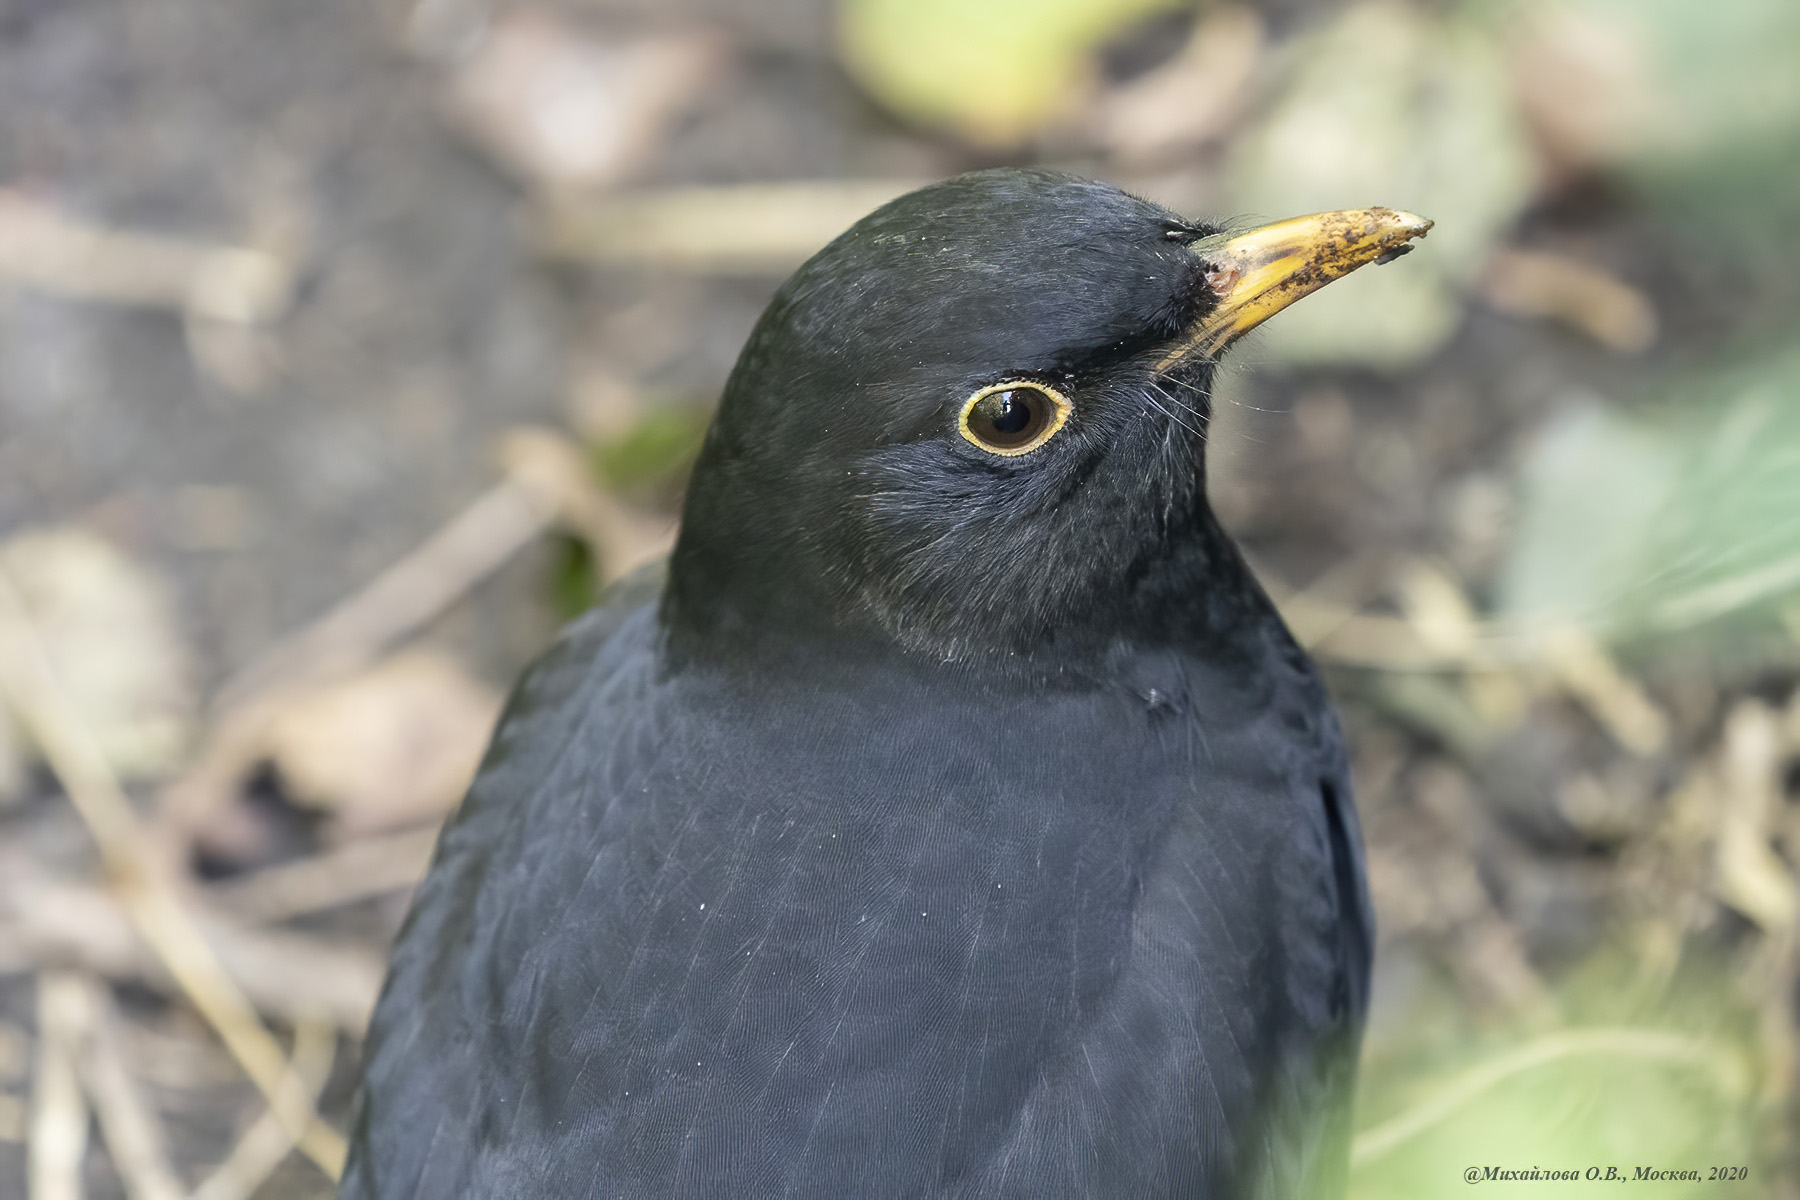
[(1257, 274)]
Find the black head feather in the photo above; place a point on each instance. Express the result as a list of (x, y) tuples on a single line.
[(834, 490)]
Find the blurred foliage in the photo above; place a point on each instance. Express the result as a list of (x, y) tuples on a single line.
[(1686, 84), (1630, 1074), (647, 464), (1395, 104), (1655, 524), (991, 71), (651, 459), (1687, 513), (1696, 109), (574, 577)]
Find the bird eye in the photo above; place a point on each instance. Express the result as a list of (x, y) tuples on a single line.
[(1013, 418)]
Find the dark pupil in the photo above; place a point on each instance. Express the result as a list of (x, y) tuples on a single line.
[(1010, 413)]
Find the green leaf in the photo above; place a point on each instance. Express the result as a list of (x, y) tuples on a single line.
[(992, 71), (1627, 1078), (651, 459), (1678, 519)]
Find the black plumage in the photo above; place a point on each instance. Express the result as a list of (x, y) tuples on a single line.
[(953, 823)]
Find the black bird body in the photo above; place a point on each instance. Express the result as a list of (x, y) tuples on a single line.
[(950, 825)]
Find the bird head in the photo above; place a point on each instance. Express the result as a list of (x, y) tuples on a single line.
[(974, 423)]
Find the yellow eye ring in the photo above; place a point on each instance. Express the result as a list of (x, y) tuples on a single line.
[(1014, 417)]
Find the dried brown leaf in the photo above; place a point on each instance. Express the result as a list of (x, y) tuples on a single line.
[(109, 630), (563, 108), (391, 746)]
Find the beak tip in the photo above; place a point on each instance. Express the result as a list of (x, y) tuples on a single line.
[(1410, 225)]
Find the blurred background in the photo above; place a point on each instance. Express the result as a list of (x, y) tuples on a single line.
[(348, 347)]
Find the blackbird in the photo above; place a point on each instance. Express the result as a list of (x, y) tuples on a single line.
[(956, 817)]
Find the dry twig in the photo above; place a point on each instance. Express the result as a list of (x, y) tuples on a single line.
[(148, 897), (411, 592), (268, 1140), (1590, 676), (284, 973), (756, 229), (12, 1119), (1531, 283), (46, 248), (355, 871), (15, 1053), (1751, 876), (556, 469), (543, 484), (59, 1115), (407, 595), (133, 1134)]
